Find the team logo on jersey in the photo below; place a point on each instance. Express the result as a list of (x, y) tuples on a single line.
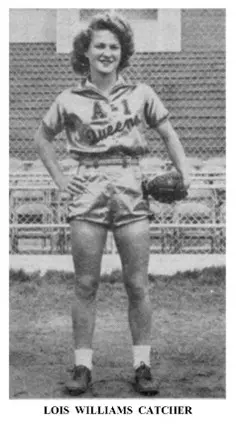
[(91, 136), (119, 126), (98, 112), (85, 132)]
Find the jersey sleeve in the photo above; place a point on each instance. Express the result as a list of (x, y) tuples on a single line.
[(154, 111), (53, 121)]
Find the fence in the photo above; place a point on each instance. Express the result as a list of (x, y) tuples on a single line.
[(191, 84), (38, 217)]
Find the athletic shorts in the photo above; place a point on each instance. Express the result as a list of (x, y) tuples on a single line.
[(111, 195)]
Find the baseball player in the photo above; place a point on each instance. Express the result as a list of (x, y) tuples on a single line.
[(102, 117)]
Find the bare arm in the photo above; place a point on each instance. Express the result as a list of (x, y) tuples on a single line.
[(175, 150), (47, 154)]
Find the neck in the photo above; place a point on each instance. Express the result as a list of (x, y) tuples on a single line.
[(103, 82)]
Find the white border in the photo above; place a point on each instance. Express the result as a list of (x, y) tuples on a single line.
[(204, 410)]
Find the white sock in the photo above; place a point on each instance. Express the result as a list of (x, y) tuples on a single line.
[(141, 353), (84, 357)]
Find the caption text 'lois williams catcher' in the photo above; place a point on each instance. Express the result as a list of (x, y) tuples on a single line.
[(119, 410)]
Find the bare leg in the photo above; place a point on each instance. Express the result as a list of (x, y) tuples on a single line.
[(88, 241), (133, 245)]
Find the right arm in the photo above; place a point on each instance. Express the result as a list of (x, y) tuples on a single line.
[(51, 125), (47, 154)]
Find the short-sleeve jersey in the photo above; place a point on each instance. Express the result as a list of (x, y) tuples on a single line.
[(98, 123)]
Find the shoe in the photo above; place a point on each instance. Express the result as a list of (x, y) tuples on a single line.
[(80, 380), (144, 383)]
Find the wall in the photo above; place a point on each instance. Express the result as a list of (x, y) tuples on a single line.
[(163, 33), (190, 29), (203, 29), (32, 25)]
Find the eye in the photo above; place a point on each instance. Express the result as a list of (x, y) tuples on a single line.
[(115, 47), (100, 46)]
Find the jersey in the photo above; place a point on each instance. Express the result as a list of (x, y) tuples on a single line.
[(98, 123)]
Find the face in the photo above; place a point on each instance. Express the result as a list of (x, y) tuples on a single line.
[(104, 52)]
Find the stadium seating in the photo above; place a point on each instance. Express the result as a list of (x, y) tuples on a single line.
[(187, 239), (191, 84), (200, 207), (15, 165), (221, 232), (162, 212), (202, 193), (19, 197), (195, 163), (222, 213), (161, 237), (214, 166), (150, 165), (68, 165), (193, 213), (33, 213), (38, 166), (219, 161)]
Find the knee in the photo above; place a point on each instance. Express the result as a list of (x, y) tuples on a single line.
[(137, 289), (86, 287)]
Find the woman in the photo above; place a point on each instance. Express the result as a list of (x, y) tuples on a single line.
[(102, 118)]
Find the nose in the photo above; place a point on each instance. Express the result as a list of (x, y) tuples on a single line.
[(107, 51)]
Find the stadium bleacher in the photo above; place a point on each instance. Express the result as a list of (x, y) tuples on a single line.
[(33, 214), (191, 84)]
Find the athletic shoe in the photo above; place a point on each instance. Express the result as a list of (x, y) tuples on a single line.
[(144, 383), (80, 380)]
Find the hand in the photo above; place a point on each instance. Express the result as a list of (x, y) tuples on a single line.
[(73, 185), (64, 184), (186, 180)]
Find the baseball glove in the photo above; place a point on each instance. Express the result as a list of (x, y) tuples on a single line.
[(165, 188)]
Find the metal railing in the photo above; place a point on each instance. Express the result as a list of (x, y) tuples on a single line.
[(38, 219)]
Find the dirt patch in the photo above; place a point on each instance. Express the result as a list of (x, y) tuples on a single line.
[(188, 337)]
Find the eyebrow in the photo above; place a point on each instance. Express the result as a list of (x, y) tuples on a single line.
[(111, 44)]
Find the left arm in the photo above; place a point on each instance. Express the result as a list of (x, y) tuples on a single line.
[(175, 150)]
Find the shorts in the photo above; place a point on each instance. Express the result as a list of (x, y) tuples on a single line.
[(111, 195)]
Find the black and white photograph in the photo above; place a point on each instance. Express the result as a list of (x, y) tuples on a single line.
[(117, 206)]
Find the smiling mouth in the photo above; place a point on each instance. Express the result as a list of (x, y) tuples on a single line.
[(106, 62)]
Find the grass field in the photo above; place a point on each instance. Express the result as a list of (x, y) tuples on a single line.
[(188, 337)]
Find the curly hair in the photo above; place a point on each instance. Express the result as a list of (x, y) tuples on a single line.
[(108, 21)]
